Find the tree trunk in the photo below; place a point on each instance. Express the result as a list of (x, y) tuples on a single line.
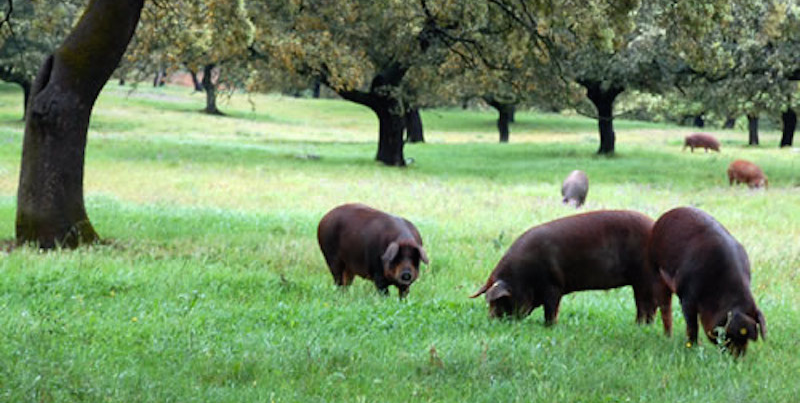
[(197, 86), (390, 141), (730, 123), (414, 130), (317, 87), (603, 100), (211, 91), (752, 125), (699, 121), (391, 118), (505, 115), (789, 118), (512, 114), (26, 96), (50, 206)]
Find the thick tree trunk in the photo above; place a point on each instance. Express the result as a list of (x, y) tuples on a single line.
[(730, 122), (505, 115), (196, 82), (603, 100), (211, 91), (391, 119), (512, 114), (414, 130), (752, 126), (390, 141), (789, 118), (50, 206)]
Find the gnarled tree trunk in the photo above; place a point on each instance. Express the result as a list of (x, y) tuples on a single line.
[(752, 126), (210, 87), (389, 109), (505, 115), (603, 100), (789, 118), (50, 206), (414, 132)]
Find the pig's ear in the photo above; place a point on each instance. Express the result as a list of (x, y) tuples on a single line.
[(762, 324), (391, 252), (668, 280), (422, 255), (742, 324), (498, 290)]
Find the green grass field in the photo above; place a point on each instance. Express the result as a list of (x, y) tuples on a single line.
[(212, 286)]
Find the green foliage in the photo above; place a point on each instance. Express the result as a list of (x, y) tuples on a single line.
[(211, 286)]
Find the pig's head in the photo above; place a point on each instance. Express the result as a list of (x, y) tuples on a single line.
[(737, 328), (503, 300), (401, 261)]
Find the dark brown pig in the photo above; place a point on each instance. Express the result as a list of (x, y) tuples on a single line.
[(709, 270), (741, 171), (590, 251), (359, 240), (701, 140), (574, 188)]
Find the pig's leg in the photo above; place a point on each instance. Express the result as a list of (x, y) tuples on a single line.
[(552, 298), (382, 285), (403, 290), (690, 315)]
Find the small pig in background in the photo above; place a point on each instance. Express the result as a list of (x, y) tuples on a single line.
[(574, 188), (741, 171), (701, 140)]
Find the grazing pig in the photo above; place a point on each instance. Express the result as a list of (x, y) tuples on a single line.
[(358, 240), (701, 140), (709, 270), (590, 251), (574, 188), (741, 171)]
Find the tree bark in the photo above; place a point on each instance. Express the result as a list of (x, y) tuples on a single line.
[(211, 90), (390, 143), (505, 115), (603, 100), (316, 88), (752, 125), (389, 109), (414, 132), (26, 96), (50, 205), (789, 118), (196, 82)]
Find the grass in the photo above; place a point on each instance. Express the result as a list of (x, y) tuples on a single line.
[(212, 287)]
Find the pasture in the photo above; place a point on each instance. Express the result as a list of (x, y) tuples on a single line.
[(210, 286)]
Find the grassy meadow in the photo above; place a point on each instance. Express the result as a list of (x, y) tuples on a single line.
[(211, 286)]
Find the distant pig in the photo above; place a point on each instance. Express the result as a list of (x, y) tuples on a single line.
[(709, 270), (574, 188), (741, 171), (701, 140), (359, 240), (591, 251)]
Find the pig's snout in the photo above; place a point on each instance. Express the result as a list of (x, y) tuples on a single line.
[(406, 276)]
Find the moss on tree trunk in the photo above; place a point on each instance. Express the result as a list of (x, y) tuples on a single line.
[(50, 206)]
